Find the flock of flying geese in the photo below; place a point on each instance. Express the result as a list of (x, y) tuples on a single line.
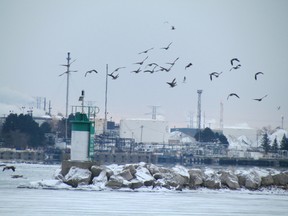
[(155, 67)]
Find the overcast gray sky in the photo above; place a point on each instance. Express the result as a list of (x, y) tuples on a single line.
[(36, 36)]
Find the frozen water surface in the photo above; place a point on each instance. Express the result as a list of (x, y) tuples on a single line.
[(24, 201)]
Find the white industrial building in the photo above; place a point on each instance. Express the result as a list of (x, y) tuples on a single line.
[(145, 130)]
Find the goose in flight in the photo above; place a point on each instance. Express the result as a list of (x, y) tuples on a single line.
[(172, 26), (118, 69), (140, 63), (236, 67), (172, 64), (114, 77), (260, 99), (214, 74), (151, 71), (234, 59), (9, 167), (136, 71), (188, 65), (67, 72), (233, 94), (90, 71), (258, 74), (166, 48), (173, 83), (151, 64), (145, 51)]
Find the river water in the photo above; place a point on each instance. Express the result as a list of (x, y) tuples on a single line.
[(24, 201)]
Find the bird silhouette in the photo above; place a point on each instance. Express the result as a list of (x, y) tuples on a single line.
[(172, 26), (166, 48), (184, 79), (236, 67), (256, 74), (114, 77), (145, 51), (68, 72), (136, 71), (173, 83), (232, 61), (118, 69), (188, 65), (233, 94), (151, 64), (216, 74), (278, 108), (90, 71), (164, 69), (140, 63), (9, 167), (172, 63), (260, 99), (151, 71)]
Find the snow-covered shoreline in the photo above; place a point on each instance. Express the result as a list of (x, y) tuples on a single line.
[(149, 177)]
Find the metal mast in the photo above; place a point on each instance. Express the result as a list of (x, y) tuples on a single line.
[(199, 109), (106, 91), (154, 112), (67, 89)]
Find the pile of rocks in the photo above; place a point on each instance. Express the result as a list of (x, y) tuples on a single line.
[(135, 176)]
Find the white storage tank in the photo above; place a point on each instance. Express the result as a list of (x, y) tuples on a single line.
[(145, 130)]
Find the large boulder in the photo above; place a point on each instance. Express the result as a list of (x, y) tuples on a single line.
[(267, 181), (96, 170), (126, 174), (212, 181), (131, 169), (143, 175), (78, 176), (196, 177), (253, 180), (171, 179), (229, 179), (101, 178), (135, 184), (115, 182), (183, 172), (153, 169), (281, 179)]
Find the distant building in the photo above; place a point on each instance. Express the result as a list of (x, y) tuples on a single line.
[(145, 130)]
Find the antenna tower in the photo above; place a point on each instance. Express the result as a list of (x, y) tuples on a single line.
[(199, 109), (154, 112)]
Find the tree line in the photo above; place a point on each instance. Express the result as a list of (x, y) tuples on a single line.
[(265, 143), (207, 135), (22, 132)]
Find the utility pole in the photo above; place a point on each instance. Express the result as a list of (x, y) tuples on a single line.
[(199, 108), (106, 91), (141, 135), (49, 108), (67, 90), (199, 112)]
